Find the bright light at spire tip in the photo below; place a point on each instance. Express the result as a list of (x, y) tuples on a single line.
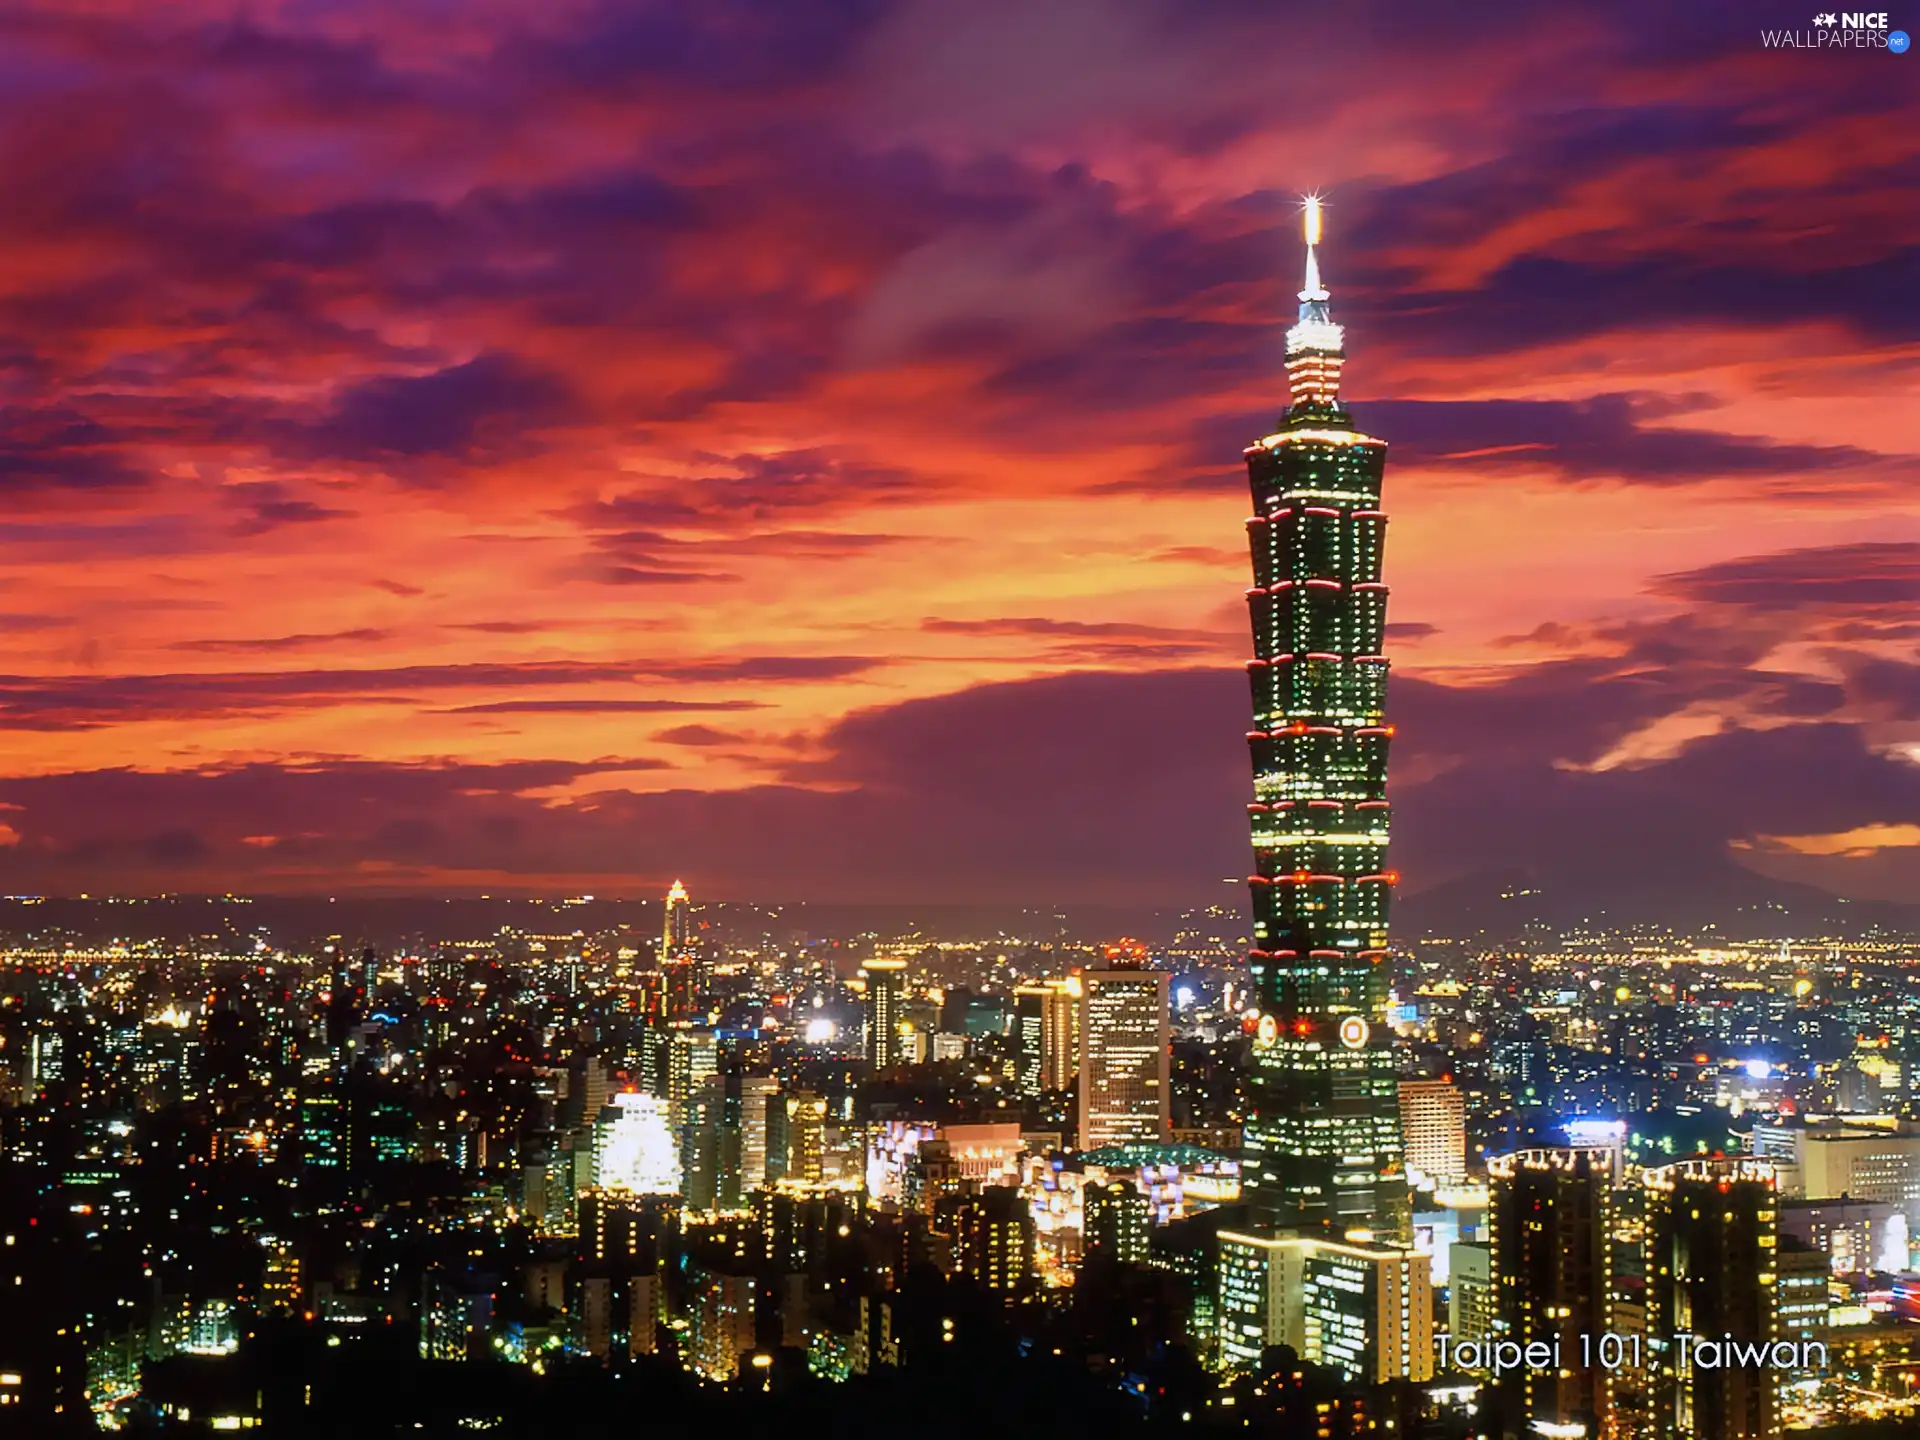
[(1313, 219)]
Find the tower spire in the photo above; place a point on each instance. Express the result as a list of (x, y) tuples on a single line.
[(1313, 289), (1315, 345)]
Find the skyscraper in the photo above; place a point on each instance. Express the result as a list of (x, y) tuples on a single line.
[(1046, 1029), (886, 986), (1711, 1231), (683, 979), (1125, 1093), (1323, 1146), (1433, 1118), (676, 933), (1060, 1034), (1549, 1225), (1029, 1037)]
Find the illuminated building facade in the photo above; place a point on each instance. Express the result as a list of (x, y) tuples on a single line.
[(692, 1056), (1470, 1299), (973, 1155), (676, 931), (1060, 1034), (1046, 1027), (635, 1147), (994, 1239), (886, 989), (1549, 1225), (1125, 1091), (722, 1323), (1323, 1146), (797, 1143), (1117, 1226), (1364, 1310), (683, 978), (1712, 1231), (1029, 1039), (1433, 1119)]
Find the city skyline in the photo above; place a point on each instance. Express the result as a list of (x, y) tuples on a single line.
[(406, 495)]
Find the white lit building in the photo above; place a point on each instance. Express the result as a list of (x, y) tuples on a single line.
[(1362, 1309), (635, 1147)]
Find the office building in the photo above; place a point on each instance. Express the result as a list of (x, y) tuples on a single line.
[(1803, 1282), (1029, 1039), (797, 1144), (759, 1097), (1823, 1160), (1323, 1145), (684, 979), (692, 1057), (886, 989), (1363, 1310), (1046, 1028), (1125, 1090), (1433, 1120), (676, 931)]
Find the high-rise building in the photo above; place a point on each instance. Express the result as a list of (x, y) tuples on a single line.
[(1801, 1290), (886, 989), (1116, 1223), (683, 972), (624, 1232), (1433, 1118), (1711, 1235), (994, 1239), (1125, 1091), (1322, 1142), (759, 1095), (1060, 1034), (646, 1298), (1824, 1159), (1470, 1301), (1029, 1039), (692, 1055), (797, 1147), (676, 932), (346, 1001), (1549, 1222), (1362, 1309), (723, 1328), (635, 1147)]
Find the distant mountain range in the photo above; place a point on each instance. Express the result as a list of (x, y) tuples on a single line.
[(1740, 905), (1490, 905)]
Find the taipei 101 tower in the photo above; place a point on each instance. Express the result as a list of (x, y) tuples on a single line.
[(1323, 1151)]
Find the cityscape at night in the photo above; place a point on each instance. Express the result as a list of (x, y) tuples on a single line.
[(898, 718)]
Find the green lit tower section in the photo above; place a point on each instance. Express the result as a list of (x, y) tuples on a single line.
[(1323, 1144)]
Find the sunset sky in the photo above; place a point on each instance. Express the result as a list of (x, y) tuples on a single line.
[(482, 445)]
